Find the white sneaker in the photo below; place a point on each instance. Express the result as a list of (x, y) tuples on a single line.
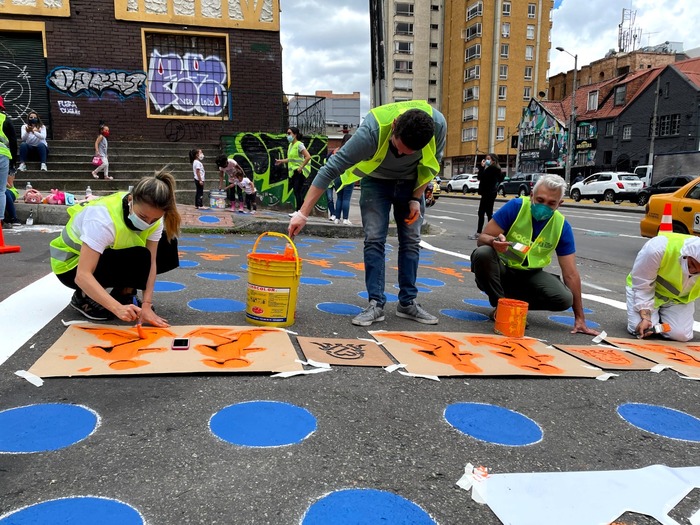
[(336, 221), (332, 219), (347, 222), (22, 167), (43, 167)]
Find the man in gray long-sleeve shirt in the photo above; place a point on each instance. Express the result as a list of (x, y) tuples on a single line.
[(396, 152)]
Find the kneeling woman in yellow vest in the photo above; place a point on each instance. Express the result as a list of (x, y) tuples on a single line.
[(121, 242)]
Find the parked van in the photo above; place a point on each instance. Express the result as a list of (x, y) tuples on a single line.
[(644, 173)]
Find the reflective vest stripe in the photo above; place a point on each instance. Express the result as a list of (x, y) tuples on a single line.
[(4, 141), (666, 284)]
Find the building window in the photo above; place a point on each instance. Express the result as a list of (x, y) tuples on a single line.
[(505, 50), (592, 101), (471, 94), (403, 84), (435, 8), (585, 131), (527, 93), (472, 73), (666, 89), (607, 157), (620, 93), (506, 9), (432, 82), (475, 10), (470, 114), (473, 31), (403, 28), (403, 47), (528, 72), (529, 52), (433, 45), (468, 134), (609, 129), (627, 132), (502, 92), (500, 133), (404, 9), (472, 52), (503, 72), (531, 10), (432, 100), (403, 66), (530, 33), (433, 64), (501, 113), (434, 26), (667, 125), (505, 29)]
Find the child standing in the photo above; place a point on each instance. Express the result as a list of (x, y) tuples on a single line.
[(196, 158), (251, 194), (101, 146), (228, 168)]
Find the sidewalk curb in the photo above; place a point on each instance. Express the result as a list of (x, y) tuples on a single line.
[(566, 204)]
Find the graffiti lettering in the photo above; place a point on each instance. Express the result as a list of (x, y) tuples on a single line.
[(68, 107), (188, 84), (176, 130), (342, 351), (123, 347), (81, 82), (16, 88)]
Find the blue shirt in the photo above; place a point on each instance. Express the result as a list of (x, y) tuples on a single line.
[(506, 215)]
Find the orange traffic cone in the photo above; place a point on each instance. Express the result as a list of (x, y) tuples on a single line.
[(6, 249), (667, 219)]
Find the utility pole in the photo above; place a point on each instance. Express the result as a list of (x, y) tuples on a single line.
[(653, 120), (572, 126)]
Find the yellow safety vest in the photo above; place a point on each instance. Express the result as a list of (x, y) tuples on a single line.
[(540, 253), (65, 249), (4, 141), (669, 280), (295, 159), (428, 165)]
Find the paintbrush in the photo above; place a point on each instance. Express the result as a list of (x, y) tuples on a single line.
[(139, 328), (660, 328)]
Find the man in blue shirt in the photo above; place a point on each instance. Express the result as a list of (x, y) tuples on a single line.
[(517, 244)]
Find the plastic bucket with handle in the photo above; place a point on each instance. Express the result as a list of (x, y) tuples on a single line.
[(511, 317)]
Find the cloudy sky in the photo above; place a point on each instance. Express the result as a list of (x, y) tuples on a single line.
[(326, 43)]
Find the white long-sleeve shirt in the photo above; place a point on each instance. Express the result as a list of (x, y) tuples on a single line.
[(34, 138)]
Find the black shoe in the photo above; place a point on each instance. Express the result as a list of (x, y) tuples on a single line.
[(125, 298), (15, 222), (89, 308)]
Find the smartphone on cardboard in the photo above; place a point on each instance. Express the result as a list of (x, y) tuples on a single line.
[(181, 343)]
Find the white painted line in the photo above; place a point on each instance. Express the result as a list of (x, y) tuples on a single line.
[(595, 287), (427, 246), (443, 217), (26, 312)]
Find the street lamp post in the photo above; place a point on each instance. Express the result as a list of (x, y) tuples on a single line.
[(572, 123)]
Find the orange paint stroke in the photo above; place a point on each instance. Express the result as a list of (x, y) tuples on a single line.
[(440, 348), (323, 263), (445, 271), (356, 266), (669, 352), (125, 345), (216, 256), (518, 352), (70, 357), (609, 356), (229, 347), (86, 369)]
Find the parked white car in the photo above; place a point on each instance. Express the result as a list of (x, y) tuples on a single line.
[(464, 183), (611, 186)]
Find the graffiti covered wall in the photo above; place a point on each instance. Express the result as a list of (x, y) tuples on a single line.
[(543, 140)]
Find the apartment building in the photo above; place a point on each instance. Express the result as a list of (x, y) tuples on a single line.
[(495, 59)]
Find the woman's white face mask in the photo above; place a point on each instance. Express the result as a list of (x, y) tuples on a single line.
[(137, 221)]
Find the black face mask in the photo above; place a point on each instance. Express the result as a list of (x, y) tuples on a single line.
[(33, 121), (125, 214)]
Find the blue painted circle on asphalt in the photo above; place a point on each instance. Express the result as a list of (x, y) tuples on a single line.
[(430, 282), (319, 255), (44, 427), (192, 249), (493, 424), (585, 310), (338, 250), (390, 297), (228, 245), (168, 286), (339, 308), (190, 239), (214, 276), (365, 506), (315, 280), (244, 267), (425, 262), (338, 273), (662, 421), (464, 315), (301, 245), (77, 510), (468, 264), (569, 321), (210, 219), (216, 305), (421, 289), (188, 264), (246, 241), (478, 302), (263, 424), (314, 241)]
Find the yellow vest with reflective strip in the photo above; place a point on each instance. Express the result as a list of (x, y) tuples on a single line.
[(669, 280), (428, 165), (540, 253), (295, 159), (65, 249), (4, 141)]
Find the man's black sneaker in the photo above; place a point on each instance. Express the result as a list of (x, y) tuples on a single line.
[(89, 308), (125, 298)]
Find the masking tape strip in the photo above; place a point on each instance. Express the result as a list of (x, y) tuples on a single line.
[(606, 376), (393, 368), (600, 337), (33, 379), (311, 362), (658, 368), (423, 376), (695, 518), (292, 373)]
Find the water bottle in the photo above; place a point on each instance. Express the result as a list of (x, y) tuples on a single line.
[(88, 192), (29, 186), (30, 219)]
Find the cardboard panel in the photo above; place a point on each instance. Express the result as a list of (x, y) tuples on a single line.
[(344, 351), (91, 350), (607, 357), (682, 357)]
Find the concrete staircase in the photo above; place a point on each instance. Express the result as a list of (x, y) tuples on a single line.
[(70, 166)]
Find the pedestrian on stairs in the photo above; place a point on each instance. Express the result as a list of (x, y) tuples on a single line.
[(33, 137), (196, 158), (101, 146)]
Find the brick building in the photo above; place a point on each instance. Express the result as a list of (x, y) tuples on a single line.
[(155, 70)]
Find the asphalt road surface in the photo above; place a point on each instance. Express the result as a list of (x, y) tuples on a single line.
[(378, 447)]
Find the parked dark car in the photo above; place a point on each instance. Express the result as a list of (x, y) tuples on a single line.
[(519, 184), (668, 185)]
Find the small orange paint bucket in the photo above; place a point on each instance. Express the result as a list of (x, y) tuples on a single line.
[(511, 317)]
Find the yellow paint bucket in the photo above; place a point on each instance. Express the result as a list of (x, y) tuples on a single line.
[(511, 317), (273, 281)]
